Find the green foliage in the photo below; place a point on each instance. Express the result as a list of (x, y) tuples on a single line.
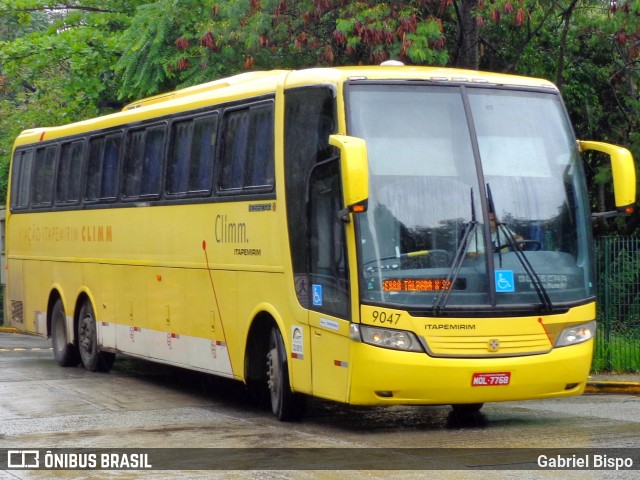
[(158, 49), (617, 353), (61, 61), (589, 48), (55, 63), (144, 49), (177, 43)]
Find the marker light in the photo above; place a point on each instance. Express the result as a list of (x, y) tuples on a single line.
[(576, 334), (386, 338)]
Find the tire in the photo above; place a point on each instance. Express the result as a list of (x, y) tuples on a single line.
[(92, 358), (285, 404), (66, 354), (467, 407)]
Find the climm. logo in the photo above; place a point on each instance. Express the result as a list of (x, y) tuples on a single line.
[(230, 232)]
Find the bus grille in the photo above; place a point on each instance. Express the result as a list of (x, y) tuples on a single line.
[(487, 346), (17, 312)]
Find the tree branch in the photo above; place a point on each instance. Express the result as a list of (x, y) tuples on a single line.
[(56, 8)]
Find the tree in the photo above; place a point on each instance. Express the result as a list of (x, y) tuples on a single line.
[(62, 61), (201, 39), (468, 28), (66, 47), (590, 49), (55, 63)]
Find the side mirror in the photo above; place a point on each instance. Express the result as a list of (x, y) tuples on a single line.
[(623, 169), (355, 171)]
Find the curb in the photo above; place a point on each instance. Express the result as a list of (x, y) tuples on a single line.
[(8, 330), (613, 387)]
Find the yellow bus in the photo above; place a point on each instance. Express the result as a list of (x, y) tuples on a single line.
[(370, 235)]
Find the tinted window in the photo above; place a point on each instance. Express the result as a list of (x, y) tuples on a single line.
[(70, 172), (110, 166), (192, 157), (203, 153), (309, 121), (143, 166), (43, 176), (133, 163), (153, 159), (21, 179), (103, 167), (247, 149)]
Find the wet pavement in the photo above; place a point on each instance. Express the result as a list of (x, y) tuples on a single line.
[(10, 339), (150, 406)]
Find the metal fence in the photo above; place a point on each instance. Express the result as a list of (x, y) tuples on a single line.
[(618, 287)]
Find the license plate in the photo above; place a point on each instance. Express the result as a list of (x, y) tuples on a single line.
[(497, 379)]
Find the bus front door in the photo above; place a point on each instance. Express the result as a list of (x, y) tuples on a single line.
[(329, 298)]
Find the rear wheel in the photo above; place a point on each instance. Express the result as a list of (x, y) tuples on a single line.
[(285, 404), (92, 358), (66, 354)]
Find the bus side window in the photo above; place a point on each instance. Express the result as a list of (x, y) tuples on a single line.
[(203, 151), (70, 173), (43, 176), (94, 169), (153, 160), (178, 168), (21, 179), (103, 167), (192, 156), (133, 163), (247, 154), (259, 169), (110, 166), (234, 149), (143, 164)]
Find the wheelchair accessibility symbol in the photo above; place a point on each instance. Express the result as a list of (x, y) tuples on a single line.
[(316, 291), (504, 281)]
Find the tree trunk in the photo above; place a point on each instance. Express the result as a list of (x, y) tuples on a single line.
[(467, 35), (567, 14)]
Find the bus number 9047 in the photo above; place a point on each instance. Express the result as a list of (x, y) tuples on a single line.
[(380, 316)]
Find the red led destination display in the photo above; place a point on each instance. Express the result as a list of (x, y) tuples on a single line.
[(420, 284)]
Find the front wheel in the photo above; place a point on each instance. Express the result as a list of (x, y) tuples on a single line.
[(285, 404), (92, 358), (467, 407), (66, 354)]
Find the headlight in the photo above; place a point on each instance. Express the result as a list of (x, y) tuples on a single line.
[(386, 338), (576, 334)]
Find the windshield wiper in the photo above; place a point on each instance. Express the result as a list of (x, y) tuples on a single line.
[(440, 301), (547, 305)]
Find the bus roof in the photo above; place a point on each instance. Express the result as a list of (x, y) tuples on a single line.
[(242, 78), (264, 82), (397, 72)]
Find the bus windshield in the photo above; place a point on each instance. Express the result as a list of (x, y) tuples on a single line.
[(477, 198)]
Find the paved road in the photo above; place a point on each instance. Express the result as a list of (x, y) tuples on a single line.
[(141, 405)]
